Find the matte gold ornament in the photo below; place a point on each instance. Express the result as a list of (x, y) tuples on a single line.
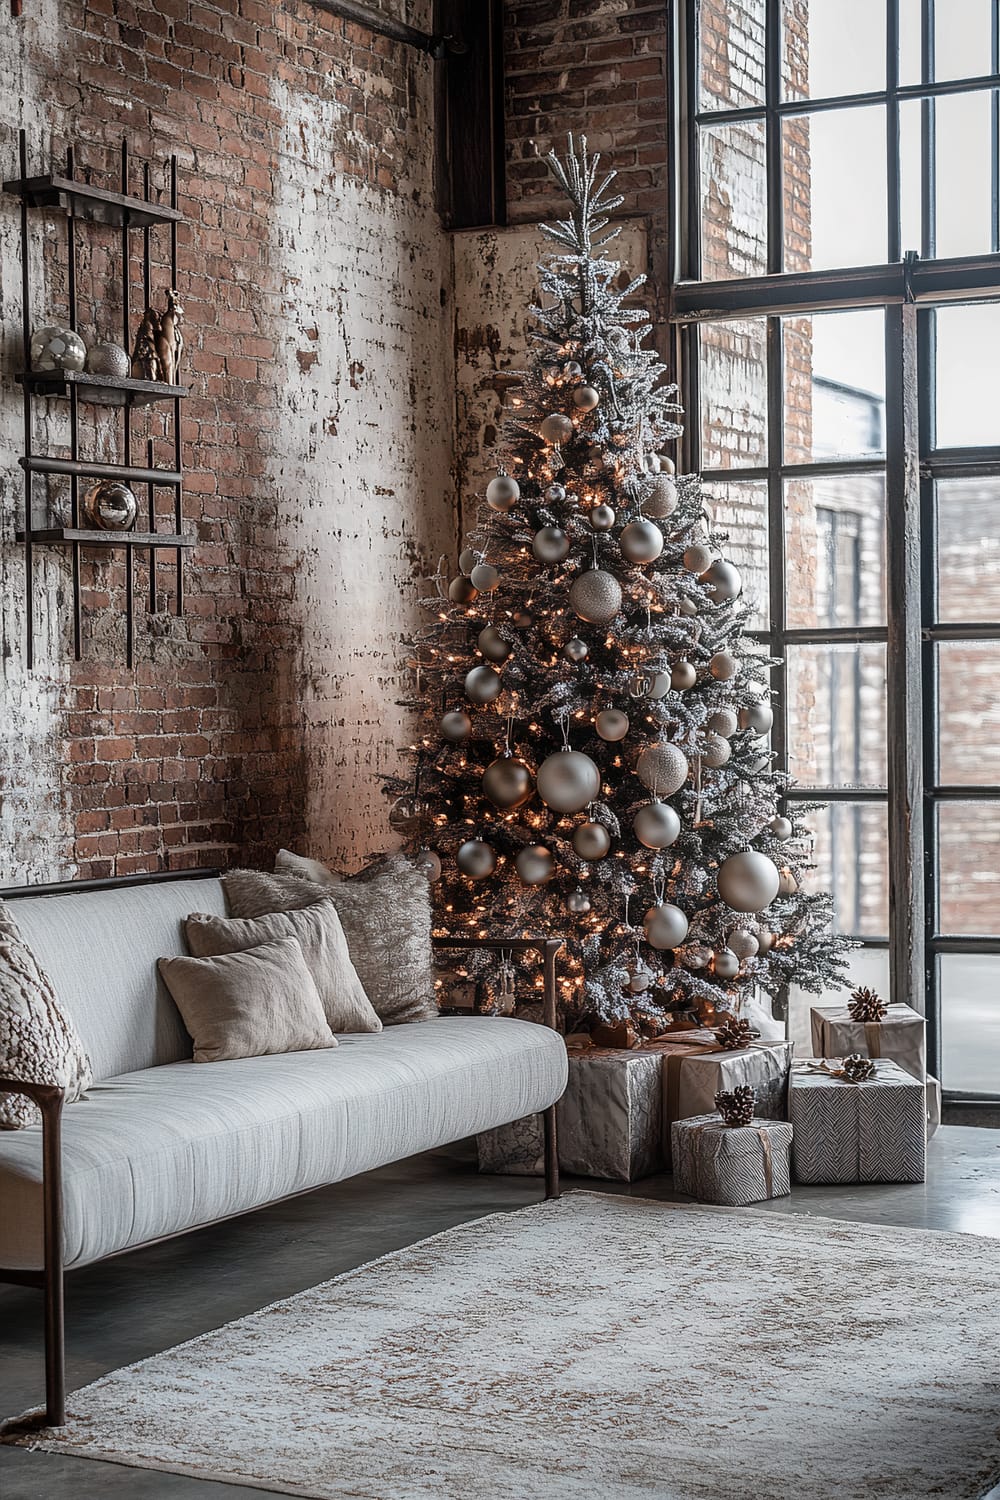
[(722, 581), (576, 650), (503, 492), (485, 577), (578, 903), (781, 828), (723, 666), (568, 780), (591, 840), (641, 541), (456, 725), (586, 398), (461, 590), (550, 544), (535, 865), (555, 428), (748, 881), (662, 768), (492, 644), (662, 498), (715, 751), (656, 825), (596, 596), (476, 859), (743, 943), (482, 685), (428, 863), (665, 926), (602, 518), (611, 724), (507, 782), (683, 676), (467, 560), (698, 557), (757, 716), (723, 721)]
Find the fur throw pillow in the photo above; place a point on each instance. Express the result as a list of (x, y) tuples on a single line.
[(287, 863), (38, 1041)]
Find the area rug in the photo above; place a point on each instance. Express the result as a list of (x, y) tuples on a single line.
[(595, 1346)]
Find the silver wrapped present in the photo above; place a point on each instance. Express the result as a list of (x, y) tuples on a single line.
[(857, 1132), (900, 1036), (732, 1165), (695, 1069), (933, 1105)]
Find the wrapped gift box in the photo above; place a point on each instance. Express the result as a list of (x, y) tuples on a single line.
[(732, 1165), (695, 1069), (933, 1105), (857, 1132), (900, 1036)]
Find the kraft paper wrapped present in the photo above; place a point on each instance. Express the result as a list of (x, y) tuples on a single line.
[(874, 1131), (609, 1121), (933, 1105), (696, 1068), (900, 1036), (731, 1165)]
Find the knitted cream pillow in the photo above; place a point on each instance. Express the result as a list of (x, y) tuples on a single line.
[(38, 1041)]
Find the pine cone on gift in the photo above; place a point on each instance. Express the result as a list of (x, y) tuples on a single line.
[(735, 1034), (736, 1106), (866, 1005), (858, 1069)]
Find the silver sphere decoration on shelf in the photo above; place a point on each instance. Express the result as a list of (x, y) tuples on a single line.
[(722, 581), (575, 650), (503, 492), (602, 518), (461, 590), (56, 348), (697, 956), (683, 676), (467, 560), (723, 666), (591, 840), (428, 864), (665, 926), (456, 725), (110, 505), (723, 721), (715, 751), (725, 964), (596, 596), (550, 544), (586, 398), (698, 557), (484, 577), (482, 685), (781, 827), (656, 825), (787, 883), (578, 903), (476, 859), (555, 428), (535, 865), (743, 943), (662, 768), (568, 780), (662, 498), (492, 644), (641, 541), (748, 881), (109, 359), (757, 716), (507, 782), (611, 724), (555, 494)]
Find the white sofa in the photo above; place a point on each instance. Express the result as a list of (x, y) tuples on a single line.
[(162, 1145)]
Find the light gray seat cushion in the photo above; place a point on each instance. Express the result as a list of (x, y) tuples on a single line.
[(169, 1148)]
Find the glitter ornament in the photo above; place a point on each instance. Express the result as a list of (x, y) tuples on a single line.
[(723, 721), (723, 666), (662, 498), (596, 596), (743, 943), (662, 768), (715, 751), (698, 557)]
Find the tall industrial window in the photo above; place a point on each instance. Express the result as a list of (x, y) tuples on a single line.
[(837, 197)]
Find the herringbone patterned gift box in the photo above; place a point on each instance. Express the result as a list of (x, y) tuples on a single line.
[(857, 1132), (731, 1165)]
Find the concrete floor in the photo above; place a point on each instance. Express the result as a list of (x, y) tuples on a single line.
[(145, 1302)]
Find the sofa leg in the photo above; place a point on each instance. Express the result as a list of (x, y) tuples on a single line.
[(55, 1341), (55, 1350), (551, 1153)]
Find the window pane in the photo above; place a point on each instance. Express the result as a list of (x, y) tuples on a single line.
[(969, 713), (970, 1022), (733, 393), (911, 190), (835, 189), (833, 47), (969, 868), (834, 369), (835, 550), (910, 48), (963, 126), (968, 367), (851, 859), (731, 46), (968, 546), (962, 39), (836, 715), (739, 508), (733, 201), (868, 966)]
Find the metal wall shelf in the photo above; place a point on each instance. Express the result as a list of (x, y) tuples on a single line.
[(78, 200), (80, 536), (118, 390)]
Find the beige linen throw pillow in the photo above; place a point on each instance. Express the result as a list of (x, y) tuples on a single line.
[(249, 1004), (324, 948)]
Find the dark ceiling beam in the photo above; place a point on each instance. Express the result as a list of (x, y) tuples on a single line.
[(381, 23)]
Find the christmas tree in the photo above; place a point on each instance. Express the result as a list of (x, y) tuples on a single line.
[(592, 760)]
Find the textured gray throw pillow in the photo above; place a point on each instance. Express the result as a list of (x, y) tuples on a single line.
[(386, 916), (38, 1041), (249, 1004), (324, 948)]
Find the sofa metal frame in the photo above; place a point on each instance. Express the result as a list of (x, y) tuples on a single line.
[(51, 1280)]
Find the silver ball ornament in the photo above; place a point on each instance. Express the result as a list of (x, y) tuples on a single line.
[(656, 825), (482, 685), (586, 398), (765, 941), (665, 926), (698, 557), (484, 577), (663, 769), (722, 581), (697, 956), (611, 724), (429, 865), (535, 865), (575, 650), (550, 544), (568, 781), (683, 676), (641, 541), (781, 828), (640, 684), (476, 859), (555, 494), (687, 607), (456, 725), (503, 492), (661, 684), (492, 644), (723, 666), (555, 428), (602, 518), (743, 943), (109, 359), (723, 721), (662, 498), (507, 782), (639, 980), (110, 506), (787, 883), (591, 840), (757, 716), (467, 560), (748, 881), (715, 751), (572, 369), (578, 903), (725, 964), (596, 596), (57, 348)]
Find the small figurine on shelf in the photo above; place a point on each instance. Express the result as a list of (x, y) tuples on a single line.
[(170, 341), (145, 359)]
